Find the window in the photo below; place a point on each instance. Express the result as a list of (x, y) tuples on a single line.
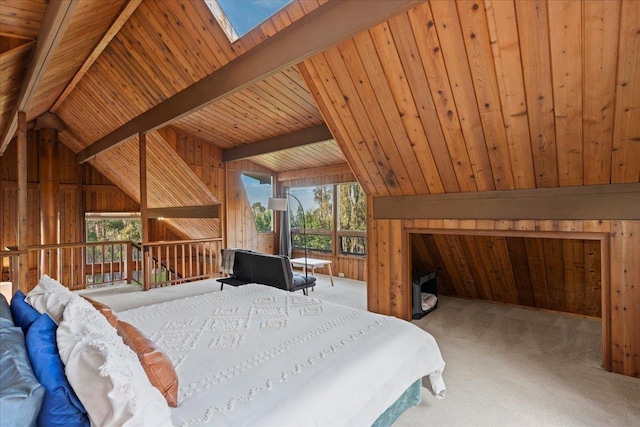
[(259, 188), (324, 205), (238, 17), (318, 210), (113, 227), (352, 218), (109, 227)]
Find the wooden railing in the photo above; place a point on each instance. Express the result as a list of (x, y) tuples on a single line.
[(87, 265), (174, 262), (9, 260), (97, 264)]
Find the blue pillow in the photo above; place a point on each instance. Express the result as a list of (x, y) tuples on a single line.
[(20, 392), (23, 314), (60, 407)]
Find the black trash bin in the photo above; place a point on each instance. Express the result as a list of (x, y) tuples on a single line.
[(424, 288)]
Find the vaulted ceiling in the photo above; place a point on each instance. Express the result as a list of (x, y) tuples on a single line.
[(443, 97)]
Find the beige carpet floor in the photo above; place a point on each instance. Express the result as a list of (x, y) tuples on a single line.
[(510, 366)]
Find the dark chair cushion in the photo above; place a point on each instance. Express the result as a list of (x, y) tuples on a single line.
[(300, 281)]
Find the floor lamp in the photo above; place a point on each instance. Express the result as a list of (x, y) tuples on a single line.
[(280, 203)]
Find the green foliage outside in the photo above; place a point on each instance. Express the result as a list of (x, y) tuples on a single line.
[(262, 217), (109, 230), (352, 216)]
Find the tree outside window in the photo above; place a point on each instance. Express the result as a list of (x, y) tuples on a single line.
[(318, 204), (259, 188), (352, 215), (350, 211)]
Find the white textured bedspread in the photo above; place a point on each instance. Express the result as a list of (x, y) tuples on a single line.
[(256, 355)]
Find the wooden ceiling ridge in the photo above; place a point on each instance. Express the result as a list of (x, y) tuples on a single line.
[(299, 138), (54, 25), (326, 26)]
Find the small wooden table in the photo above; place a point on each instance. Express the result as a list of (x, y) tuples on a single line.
[(313, 263)]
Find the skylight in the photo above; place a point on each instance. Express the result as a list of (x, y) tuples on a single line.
[(238, 17)]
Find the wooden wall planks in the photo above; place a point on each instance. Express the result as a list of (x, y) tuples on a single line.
[(522, 95)]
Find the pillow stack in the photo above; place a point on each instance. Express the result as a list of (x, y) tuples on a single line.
[(89, 374)]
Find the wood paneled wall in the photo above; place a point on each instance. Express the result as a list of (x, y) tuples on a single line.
[(237, 226), (389, 290), (554, 274), (82, 189)]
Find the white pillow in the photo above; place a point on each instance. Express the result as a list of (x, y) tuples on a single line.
[(105, 373), (50, 297)]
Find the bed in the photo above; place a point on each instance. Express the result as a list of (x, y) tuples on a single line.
[(259, 356)]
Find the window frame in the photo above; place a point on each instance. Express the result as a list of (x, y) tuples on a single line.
[(335, 232), (250, 174)]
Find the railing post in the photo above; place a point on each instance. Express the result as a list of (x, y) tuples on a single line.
[(147, 266), (129, 262)]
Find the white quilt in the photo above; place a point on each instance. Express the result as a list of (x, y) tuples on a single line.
[(256, 355)]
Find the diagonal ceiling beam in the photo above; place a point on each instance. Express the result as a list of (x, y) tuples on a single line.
[(54, 25), (122, 18), (329, 24), (281, 142)]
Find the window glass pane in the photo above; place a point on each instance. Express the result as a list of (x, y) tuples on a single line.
[(318, 207), (258, 188), (352, 207), (320, 243), (238, 17), (353, 245)]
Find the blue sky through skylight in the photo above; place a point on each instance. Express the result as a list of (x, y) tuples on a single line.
[(246, 14)]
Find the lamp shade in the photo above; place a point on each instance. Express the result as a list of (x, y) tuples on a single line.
[(278, 203)]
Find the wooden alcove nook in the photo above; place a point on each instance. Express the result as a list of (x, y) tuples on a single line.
[(471, 249)]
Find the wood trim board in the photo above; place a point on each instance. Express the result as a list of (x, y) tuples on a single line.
[(609, 201)]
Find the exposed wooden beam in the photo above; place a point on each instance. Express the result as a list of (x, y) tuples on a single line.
[(126, 12), (282, 142), (610, 202), (342, 169), (54, 25), (205, 211), (49, 121), (326, 26)]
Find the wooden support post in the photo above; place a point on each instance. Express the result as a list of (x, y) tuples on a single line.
[(21, 229), (146, 256), (80, 223), (49, 212)]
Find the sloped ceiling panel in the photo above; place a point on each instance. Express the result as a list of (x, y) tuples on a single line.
[(90, 21), (170, 181), (326, 153), (278, 105), (20, 22), (487, 95), (164, 47)]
